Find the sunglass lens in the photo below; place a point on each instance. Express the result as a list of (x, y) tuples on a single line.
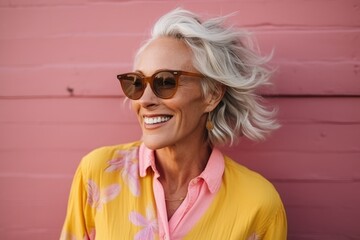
[(165, 84), (132, 86)]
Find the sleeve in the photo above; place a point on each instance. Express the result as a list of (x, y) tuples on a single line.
[(78, 219), (277, 229)]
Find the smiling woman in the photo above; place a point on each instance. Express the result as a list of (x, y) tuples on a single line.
[(192, 89), (186, 110)]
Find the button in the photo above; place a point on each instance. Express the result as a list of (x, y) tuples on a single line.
[(194, 181), (163, 236)]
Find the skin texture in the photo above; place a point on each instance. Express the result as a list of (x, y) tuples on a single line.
[(180, 144)]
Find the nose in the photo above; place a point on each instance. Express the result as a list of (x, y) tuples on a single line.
[(148, 98)]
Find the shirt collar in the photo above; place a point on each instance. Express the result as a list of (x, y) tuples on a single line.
[(146, 160), (212, 173)]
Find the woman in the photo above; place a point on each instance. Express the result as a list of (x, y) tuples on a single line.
[(192, 89)]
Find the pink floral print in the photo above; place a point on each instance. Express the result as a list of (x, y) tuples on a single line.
[(97, 197), (149, 224), (127, 162), (254, 236), (91, 235)]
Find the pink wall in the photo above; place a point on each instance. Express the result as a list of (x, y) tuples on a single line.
[(48, 48)]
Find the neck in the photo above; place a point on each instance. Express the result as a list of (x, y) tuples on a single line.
[(179, 164)]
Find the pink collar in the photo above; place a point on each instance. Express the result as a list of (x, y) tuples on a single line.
[(212, 173)]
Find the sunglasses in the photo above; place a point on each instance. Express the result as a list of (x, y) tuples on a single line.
[(163, 83)]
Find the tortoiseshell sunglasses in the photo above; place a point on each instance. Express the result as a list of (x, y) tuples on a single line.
[(163, 83)]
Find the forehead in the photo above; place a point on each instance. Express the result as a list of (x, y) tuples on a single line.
[(164, 53)]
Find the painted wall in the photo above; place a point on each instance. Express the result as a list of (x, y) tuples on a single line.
[(59, 99)]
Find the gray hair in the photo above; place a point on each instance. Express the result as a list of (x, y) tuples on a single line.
[(220, 54)]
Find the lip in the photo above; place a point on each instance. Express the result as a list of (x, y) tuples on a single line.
[(155, 120)]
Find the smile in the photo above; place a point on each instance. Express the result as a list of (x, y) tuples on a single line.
[(155, 120)]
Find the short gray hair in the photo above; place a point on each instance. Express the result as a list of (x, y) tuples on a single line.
[(220, 54)]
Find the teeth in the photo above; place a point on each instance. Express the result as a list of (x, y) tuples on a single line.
[(154, 120)]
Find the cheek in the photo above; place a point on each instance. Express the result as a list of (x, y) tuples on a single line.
[(191, 107), (134, 106)]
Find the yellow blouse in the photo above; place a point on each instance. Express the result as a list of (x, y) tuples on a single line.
[(109, 200)]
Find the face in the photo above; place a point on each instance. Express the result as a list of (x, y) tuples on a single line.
[(180, 119)]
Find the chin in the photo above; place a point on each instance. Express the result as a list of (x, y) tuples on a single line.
[(154, 143)]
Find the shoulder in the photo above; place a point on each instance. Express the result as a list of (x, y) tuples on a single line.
[(98, 159), (245, 176), (250, 185)]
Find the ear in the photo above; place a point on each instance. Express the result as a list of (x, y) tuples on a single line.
[(214, 98)]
